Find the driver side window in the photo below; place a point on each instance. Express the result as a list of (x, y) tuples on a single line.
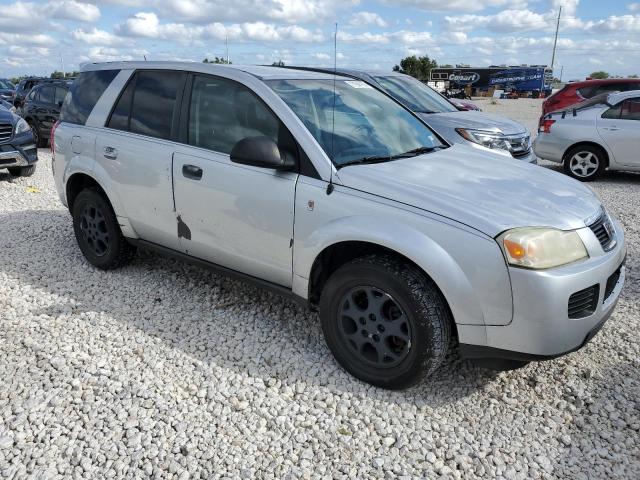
[(223, 112), (631, 109)]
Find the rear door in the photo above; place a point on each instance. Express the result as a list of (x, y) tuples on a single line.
[(237, 216), (136, 152), (619, 127)]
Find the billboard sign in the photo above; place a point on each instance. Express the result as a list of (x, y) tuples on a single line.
[(525, 79)]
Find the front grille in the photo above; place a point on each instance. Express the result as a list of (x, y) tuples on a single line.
[(519, 145), (584, 303), (603, 230), (612, 281), (6, 130)]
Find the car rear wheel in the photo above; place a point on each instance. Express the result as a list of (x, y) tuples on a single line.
[(385, 321), (585, 163), (22, 171), (98, 233)]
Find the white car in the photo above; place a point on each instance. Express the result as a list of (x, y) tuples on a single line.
[(601, 133)]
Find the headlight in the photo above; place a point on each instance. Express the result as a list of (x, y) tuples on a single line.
[(22, 126), (486, 139), (539, 248)]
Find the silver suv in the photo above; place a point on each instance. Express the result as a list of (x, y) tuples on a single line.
[(328, 190)]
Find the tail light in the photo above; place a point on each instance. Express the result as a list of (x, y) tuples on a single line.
[(545, 126)]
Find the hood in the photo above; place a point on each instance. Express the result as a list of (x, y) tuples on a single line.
[(474, 120), (488, 192), (6, 116)]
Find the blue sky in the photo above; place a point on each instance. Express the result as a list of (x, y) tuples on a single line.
[(37, 36)]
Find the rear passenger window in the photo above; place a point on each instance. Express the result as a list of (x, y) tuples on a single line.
[(84, 93), (154, 101), (631, 109), (223, 112), (61, 93), (120, 116), (47, 94), (613, 112)]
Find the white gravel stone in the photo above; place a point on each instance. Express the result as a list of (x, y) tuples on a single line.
[(163, 370)]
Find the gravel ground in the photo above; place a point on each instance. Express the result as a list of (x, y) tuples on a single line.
[(162, 370)]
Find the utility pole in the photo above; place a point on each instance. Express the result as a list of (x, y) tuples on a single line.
[(62, 64), (555, 42), (226, 42), (561, 70)]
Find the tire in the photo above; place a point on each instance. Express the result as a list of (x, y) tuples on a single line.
[(40, 142), (366, 346), (585, 162), (22, 171), (98, 233)]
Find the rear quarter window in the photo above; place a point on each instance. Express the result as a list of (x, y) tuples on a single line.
[(83, 95)]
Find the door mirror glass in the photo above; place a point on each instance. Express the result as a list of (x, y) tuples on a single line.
[(262, 152)]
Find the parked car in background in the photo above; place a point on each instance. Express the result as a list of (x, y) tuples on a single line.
[(41, 109), (592, 136), (401, 241), (8, 106), (577, 92), (26, 84), (7, 90), (480, 130), (18, 152)]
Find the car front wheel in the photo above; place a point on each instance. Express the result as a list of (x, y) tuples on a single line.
[(385, 321), (585, 163)]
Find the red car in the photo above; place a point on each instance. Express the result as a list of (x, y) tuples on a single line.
[(578, 92)]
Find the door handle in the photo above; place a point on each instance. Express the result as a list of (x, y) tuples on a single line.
[(191, 171), (110, 153), (612, 129)]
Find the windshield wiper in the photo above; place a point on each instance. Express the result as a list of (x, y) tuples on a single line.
[(418, 151), (385, 158)]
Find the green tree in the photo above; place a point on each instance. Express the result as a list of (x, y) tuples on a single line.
[(218, 60), (279, 63), (633, 76), (418, 67), (599, 75)]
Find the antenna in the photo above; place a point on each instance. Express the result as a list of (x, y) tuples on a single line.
[(333, 111), (555, 42)]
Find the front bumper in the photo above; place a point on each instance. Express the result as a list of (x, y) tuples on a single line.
[(541, 328), (20, 151)]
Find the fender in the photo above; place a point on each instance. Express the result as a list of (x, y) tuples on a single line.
[(78, 165), (417, 246)]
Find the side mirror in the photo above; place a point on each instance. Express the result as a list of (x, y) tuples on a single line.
[(261, 152)]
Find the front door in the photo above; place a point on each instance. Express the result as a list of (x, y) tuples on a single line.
[(619, 127), (237, 216)]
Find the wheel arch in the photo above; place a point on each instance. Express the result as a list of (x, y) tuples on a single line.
[(354, 237), (588, 143)]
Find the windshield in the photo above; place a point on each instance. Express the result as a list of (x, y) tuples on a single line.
[(414, 94), (6, 84), (366, 124)]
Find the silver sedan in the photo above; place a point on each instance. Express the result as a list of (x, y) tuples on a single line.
[(601, 133)]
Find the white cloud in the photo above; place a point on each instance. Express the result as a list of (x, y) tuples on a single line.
[(634, 7), (362, 19), (147, 24), (72, 10), (405, 37), (321, 56), (457, 5), (97, 37)]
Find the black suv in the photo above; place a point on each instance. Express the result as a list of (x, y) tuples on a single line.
[(41, 109), (18, 151), (26, 84)]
